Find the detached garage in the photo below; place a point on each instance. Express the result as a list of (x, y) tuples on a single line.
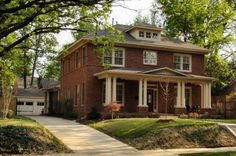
[(30, 101)]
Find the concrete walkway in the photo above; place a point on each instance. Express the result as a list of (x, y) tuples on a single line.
[(86, 141), (82, 139)]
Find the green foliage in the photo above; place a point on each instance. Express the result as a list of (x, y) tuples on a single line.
[(25, 136), (218, 68), (52, 70), (209, 24), (39, 17), (105, 43)]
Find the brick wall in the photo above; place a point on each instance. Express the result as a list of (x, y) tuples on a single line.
[(93, 87)]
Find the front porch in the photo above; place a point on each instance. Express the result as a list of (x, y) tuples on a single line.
[(146, 92)]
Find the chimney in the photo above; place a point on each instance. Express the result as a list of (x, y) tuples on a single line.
[(112, 21)]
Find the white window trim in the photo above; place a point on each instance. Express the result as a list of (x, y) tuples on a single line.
[(148, 63), (181, 62), (113, 58), (118, 83)]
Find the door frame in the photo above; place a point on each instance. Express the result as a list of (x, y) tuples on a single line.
[(155, 92)]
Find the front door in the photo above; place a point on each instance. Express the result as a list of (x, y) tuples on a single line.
[(152, 100)]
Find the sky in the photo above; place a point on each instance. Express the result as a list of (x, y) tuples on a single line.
[(122, 15)]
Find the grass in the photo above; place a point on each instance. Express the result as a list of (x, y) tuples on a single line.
[(233, 121), (211, 154), (21, 135), (151, 133), (135, 127)]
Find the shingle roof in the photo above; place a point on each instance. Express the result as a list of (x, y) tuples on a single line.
[(165, 41), (46, 84), (30, 92)]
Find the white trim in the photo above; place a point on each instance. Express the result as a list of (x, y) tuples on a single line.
[(151, 52), (123, 92), (117, 83), (190, 92), (113, 58), (181, 62)]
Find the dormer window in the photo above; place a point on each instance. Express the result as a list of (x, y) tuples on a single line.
[(141, 34), (148, 35), (155, 35)]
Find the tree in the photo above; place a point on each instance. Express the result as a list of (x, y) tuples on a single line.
[(7, 80), (44, 17), (52, 70), (209, 24)]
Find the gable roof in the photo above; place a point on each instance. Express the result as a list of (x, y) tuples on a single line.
[(29, 92), (165, 43), (165, 71)]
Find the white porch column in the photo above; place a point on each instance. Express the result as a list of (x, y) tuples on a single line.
[(114, 89), (178, 100), (183, 94), (206, 94), (140, 97), (209, 95), (108, 91), (202, 96), (145, 93)]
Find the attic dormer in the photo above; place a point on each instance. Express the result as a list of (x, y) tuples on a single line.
[(145, 32)]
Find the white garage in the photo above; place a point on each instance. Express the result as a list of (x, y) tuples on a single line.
[(30, 101)]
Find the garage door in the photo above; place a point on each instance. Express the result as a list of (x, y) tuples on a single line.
[(29, 108)]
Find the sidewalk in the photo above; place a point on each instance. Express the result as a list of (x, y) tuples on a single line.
[(87, 141)]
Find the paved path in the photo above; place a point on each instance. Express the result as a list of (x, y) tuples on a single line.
[(82, 139), (86, 141)]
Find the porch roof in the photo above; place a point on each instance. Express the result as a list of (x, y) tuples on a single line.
[(159, 74)]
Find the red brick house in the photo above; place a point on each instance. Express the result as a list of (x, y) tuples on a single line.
[(138, 69)]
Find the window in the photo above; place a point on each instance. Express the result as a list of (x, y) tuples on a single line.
[(82, 93), (75, 94), (148, 35), (182, 62), (20, 103), (62, 67), (77, 60), (29, 103), (120, 93), (84, 49), (115, 58), (40, 104), (67, 94), (141, 34), (107, 58), (118, 56), (69, 65), (155, 35), (150, 57)]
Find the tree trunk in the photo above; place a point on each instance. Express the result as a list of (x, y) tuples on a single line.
[(25, 71), (37, 45)]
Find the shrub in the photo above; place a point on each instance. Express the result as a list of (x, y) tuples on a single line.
[(10, 114), (68, 111), (94, 114)]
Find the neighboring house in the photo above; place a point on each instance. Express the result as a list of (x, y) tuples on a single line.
[(138, 67), (51, 90), (30, 101)]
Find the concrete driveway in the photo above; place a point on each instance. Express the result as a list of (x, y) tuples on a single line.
[(82, 139), (87, 141)]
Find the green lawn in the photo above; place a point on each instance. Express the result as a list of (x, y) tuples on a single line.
[(152, 133), (21, 135), (233, 121), (211, 154), (135, 127)]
